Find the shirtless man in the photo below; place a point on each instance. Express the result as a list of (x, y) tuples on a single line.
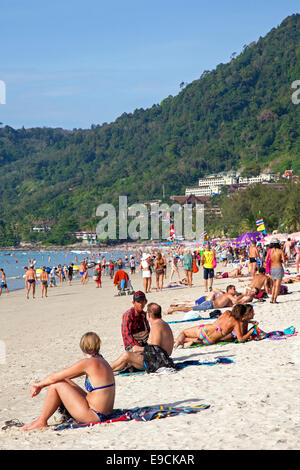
[(218, 299), (253, 255), (44, 278), (83, 271), (30, 280), (261, 281), (155, 354), (237, 272)]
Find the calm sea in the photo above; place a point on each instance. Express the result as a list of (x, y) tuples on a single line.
[(13, 262)]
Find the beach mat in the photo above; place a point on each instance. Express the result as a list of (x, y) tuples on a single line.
[(147, 413)]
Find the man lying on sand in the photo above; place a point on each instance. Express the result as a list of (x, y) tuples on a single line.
[(217, 299), (155, 354), (230, 325), (237, 272)]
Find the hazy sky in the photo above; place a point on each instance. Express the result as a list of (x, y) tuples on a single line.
[(75, 63)]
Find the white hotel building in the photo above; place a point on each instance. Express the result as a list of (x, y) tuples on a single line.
[(212, 184)]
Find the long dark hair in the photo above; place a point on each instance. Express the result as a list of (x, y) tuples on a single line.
[(275, 245)]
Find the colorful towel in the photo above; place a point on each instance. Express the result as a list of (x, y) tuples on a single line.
[(259, 334), (147, 413)]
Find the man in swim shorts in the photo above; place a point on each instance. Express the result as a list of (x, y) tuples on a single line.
[(218, 300), (30, 280), (44, 278), (156, 352)]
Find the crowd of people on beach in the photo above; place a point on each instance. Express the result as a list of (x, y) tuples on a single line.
[(148, 340)]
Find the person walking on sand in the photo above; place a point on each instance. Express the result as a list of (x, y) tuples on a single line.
[(82, 271), (30, 280), (276, 259), (159, 272), (3, 284), (253, 256), (97, 275), (84, 406), (188, 266), (174, 268), (207, 261), (44, 278), (146, 272)]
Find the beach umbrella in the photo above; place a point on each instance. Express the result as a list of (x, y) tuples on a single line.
[(295, 236), (248, 238), (280, 236)]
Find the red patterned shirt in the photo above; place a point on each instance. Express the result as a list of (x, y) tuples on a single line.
[(134, 324)]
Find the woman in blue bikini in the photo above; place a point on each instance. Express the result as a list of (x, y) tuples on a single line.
[(85, 407)]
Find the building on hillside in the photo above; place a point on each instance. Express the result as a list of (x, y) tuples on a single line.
[(209, 209), (85, 236), (41, 226), (262, 178)]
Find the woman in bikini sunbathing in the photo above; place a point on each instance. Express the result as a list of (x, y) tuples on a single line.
[(85, 407), (222, 329)]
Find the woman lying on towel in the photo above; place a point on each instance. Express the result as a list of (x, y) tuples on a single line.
[(230, 325), (85, 407)]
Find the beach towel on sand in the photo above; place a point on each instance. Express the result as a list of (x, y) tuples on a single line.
[(147, 413)]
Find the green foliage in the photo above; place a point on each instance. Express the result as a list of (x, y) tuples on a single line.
[(279, 210)]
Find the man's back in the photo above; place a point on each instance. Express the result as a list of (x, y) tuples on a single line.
[(161, 335), (223, 301), (258, 280)]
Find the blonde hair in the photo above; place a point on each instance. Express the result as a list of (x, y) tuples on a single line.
[(90, 343)]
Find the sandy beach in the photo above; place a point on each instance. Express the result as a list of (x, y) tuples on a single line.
[(254, 402)]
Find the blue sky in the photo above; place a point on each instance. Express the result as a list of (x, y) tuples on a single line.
[(75, 63)]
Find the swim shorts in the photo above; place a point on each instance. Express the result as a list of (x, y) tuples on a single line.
[(207, 305), (156, 357), (208, 273)]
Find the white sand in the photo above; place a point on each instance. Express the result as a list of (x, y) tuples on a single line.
[(254, 402)]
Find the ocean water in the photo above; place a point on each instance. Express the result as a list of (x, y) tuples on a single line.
[(13, 262)]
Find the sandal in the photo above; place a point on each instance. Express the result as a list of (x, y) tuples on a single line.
[(12, 423)]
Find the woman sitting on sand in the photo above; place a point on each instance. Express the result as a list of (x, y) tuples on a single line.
[(237, 320), (85, 407)]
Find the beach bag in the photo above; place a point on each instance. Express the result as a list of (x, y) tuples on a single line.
[(283, 290), (195, 267), (214, 262)]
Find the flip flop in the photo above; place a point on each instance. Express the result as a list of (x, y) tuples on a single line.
[(12, 423)]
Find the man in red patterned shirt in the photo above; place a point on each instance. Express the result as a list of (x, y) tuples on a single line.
[(135, 326)]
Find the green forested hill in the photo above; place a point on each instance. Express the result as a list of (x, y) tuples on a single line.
[(239, 115)]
